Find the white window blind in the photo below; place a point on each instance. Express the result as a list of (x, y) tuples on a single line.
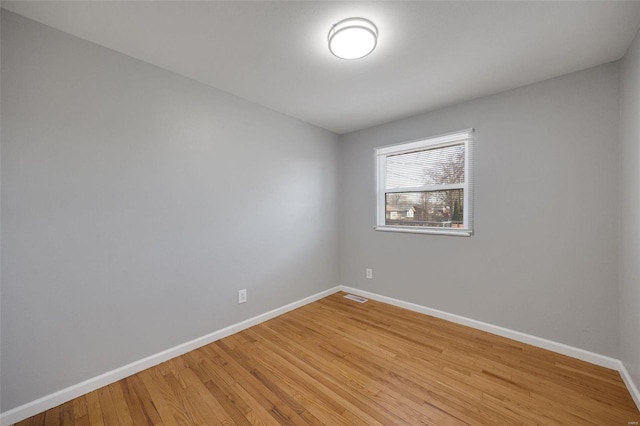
[(426, 186)]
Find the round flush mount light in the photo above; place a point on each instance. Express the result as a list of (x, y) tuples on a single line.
[(353, 38)]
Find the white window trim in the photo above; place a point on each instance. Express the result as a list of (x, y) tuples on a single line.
[(448, 139)]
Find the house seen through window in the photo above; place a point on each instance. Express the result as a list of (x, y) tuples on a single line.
[(426, 186)]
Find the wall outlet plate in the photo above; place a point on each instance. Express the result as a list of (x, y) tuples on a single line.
[(242, 295)]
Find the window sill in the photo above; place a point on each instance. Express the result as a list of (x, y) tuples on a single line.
[(433, 231)]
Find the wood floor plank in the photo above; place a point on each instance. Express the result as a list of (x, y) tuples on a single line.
[(323, 407), (326, 389), (94, 409), (250, 380), (80, 407), (337, 362), (52, 417), (134, 406), (36, 420), (358, 395), (109, 411), (83, 420), (217, 412), (374, 368), (246, 359), (67, 418), (169, 408)]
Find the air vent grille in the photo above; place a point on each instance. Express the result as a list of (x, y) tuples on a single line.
[(355, 298)]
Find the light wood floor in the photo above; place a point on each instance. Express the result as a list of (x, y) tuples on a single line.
[(338, 362)]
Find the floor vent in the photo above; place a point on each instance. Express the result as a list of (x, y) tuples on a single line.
[(356, 298)]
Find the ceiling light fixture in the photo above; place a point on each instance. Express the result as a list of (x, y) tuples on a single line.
[(353, 38)]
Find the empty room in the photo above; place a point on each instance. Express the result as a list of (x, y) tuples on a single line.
[(319, 212)]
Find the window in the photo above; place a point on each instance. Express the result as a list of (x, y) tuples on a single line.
[(426, 186)]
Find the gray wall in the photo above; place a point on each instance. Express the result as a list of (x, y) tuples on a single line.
[(543, 259), (630, 211), (136, 203)]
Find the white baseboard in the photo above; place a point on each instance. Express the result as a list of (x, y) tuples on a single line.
[(42, 404), (60, 397), (628, 381), (561, 348)]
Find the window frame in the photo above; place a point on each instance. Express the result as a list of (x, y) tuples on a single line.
[(434, 142)]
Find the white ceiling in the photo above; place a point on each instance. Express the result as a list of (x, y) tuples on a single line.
[(429, 54)]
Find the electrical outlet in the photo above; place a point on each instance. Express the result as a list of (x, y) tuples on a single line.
[(369, 273), (242, 295)]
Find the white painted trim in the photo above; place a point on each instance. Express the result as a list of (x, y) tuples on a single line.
[(442, 141), (42, 404), (626, 378), (561, 348), (60, 397), (418, 230), (431, 142)]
